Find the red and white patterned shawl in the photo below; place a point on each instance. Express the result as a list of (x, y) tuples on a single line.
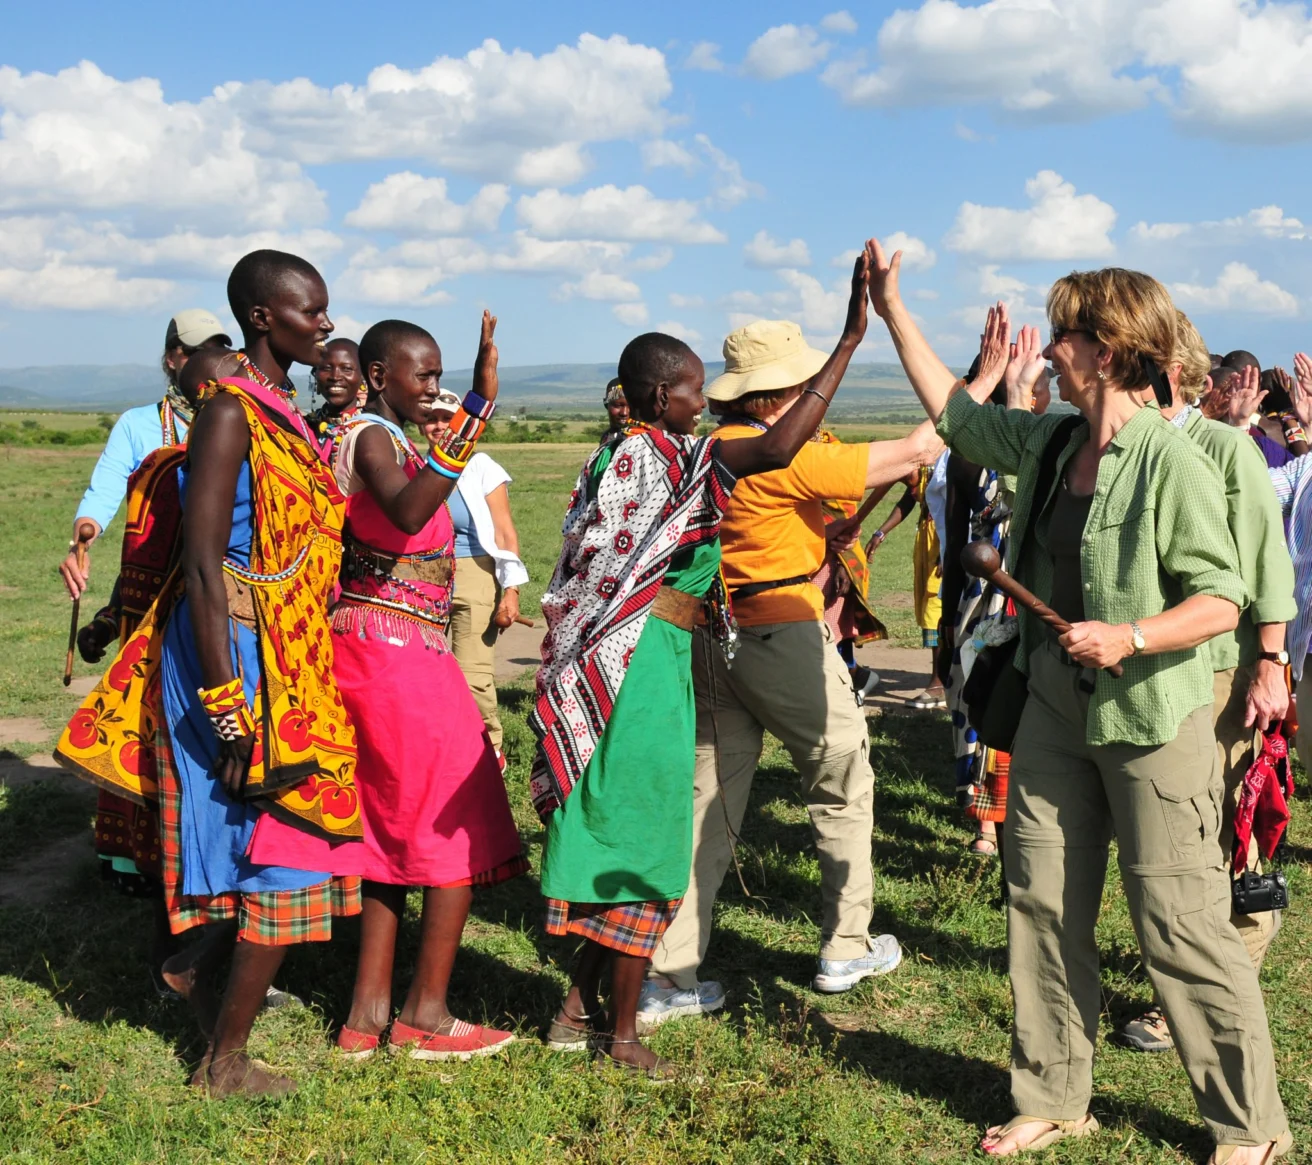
[(661, 493)]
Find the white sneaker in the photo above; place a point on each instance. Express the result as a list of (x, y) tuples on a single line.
[(835, 975), (657, 1004)]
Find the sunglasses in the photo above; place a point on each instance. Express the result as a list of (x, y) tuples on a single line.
[(1059, 334)]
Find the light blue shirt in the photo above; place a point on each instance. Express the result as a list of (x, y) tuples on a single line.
[(136, 434), (467, 543), (1295, 498)]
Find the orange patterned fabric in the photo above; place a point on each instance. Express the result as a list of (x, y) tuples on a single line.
[(305, 755)]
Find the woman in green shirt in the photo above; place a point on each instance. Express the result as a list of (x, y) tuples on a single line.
[(1132, 547)]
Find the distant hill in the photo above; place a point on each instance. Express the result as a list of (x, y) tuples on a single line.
[(115, 387)]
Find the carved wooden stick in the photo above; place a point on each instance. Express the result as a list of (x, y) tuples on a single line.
[(982, 560)]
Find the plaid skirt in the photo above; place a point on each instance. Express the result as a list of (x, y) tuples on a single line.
[(989, 799), (271, 919), (632, 928)]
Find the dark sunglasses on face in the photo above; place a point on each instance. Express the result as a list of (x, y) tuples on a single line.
[(1059, 334)]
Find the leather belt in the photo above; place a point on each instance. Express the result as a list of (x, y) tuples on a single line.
[(675, 606), (746, 592), (362, 561)]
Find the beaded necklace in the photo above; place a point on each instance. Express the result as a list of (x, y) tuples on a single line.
[(286, 390)]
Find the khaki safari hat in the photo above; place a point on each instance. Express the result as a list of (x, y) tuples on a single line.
[(193, 327), (764, 357), (447, 402)]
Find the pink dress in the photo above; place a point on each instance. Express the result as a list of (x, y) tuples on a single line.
[(431, 794)]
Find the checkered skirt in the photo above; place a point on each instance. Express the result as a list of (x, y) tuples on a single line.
[(632, 928), (272, 919)]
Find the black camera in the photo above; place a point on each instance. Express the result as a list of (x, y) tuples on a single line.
[(1253, 893)]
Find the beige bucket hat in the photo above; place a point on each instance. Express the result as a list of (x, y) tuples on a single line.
[(765, 356)]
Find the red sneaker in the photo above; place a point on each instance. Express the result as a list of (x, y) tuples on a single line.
[(356, 1045), (463, 1042), (501, 759)]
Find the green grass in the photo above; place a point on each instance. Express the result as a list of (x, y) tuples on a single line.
[(93, 1067)]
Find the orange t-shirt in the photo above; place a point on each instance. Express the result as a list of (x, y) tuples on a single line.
[(774, 527)]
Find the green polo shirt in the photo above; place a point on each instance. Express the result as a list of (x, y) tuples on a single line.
[(1259, 534), (1156, 535)]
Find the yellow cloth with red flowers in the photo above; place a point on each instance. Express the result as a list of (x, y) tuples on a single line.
[(305, 752)]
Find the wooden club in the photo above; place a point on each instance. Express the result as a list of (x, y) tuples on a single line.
[(982, 560)]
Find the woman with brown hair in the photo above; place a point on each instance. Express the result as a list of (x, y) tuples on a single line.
[(1131, 547)]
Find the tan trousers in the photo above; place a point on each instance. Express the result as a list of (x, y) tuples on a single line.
[(786, 678), (473, 637), (1163, 804), (1236, 749)]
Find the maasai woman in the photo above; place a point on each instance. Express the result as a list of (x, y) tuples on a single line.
[(338, 379), (231, 682), (431, 796), (614, 717)]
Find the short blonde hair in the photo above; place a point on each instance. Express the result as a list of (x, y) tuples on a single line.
[(1193, 357), (1128, 311)]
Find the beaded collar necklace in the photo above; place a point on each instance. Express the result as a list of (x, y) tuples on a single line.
[(286, 390)]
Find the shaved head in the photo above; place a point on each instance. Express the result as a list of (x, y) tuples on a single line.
[(648, 360), (260, 277)]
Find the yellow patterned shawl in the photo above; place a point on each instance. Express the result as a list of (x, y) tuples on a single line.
[(305, 754)]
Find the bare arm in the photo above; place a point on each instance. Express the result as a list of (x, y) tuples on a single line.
[(498, 504), (1188, 624), (777, 448), (218, 446), (409, 503), (891, 461), (1267, 700)]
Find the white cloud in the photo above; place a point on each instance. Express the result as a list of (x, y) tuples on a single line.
[(602, 285), (662, 152), (61, 287), (1238, 289), (83, 139), (839, 22), (632, 314), (819, 309), (704, 57), (1264, 222), (728, 186), (689, 336), (348, 327), (1233, 69), (505, 115), (1059, 225), (784, 50), (609, 212), (916, 254), (409, 204), (765, 251)]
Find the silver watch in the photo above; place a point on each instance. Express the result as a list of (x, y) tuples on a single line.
[(1136, 638)]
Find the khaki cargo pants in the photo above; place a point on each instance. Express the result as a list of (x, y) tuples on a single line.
[(472, 635), (786, 678), (1163, 804)]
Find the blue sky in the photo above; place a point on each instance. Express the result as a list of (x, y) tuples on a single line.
[(606, 169)]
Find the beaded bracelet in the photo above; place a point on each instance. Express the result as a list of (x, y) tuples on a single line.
[(477, 406), (226, 708), (437, 467)]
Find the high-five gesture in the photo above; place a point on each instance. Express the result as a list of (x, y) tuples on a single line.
[(884, 293), (854, 329), (994, 351), (1245, 398), (1300, 391), (1027, 373), (485, 364)]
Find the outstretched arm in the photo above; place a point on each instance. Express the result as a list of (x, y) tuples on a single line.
[(777, 448)]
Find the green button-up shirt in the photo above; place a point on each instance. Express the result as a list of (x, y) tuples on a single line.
[(1156, 535), (1259, 534)]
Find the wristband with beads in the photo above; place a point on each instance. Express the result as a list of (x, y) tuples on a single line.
[(477, 406), (223, 699), (233, 725), (437, 466), (466, 427)]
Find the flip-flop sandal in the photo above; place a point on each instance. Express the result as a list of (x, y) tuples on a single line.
[(1278, 1148), (927, 703), (983, 847), (662, 1073), (1086, 1126)]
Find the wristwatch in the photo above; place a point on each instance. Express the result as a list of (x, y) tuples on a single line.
[(1136, 638), (1277, 657)]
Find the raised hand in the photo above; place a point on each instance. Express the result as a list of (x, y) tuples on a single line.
[(884, 293), (854, 329), (485, 364), (994, 352), (1245, 398), (1300, 392), (1026, 371)]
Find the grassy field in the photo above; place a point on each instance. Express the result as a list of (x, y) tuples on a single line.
[(907, 1068)]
